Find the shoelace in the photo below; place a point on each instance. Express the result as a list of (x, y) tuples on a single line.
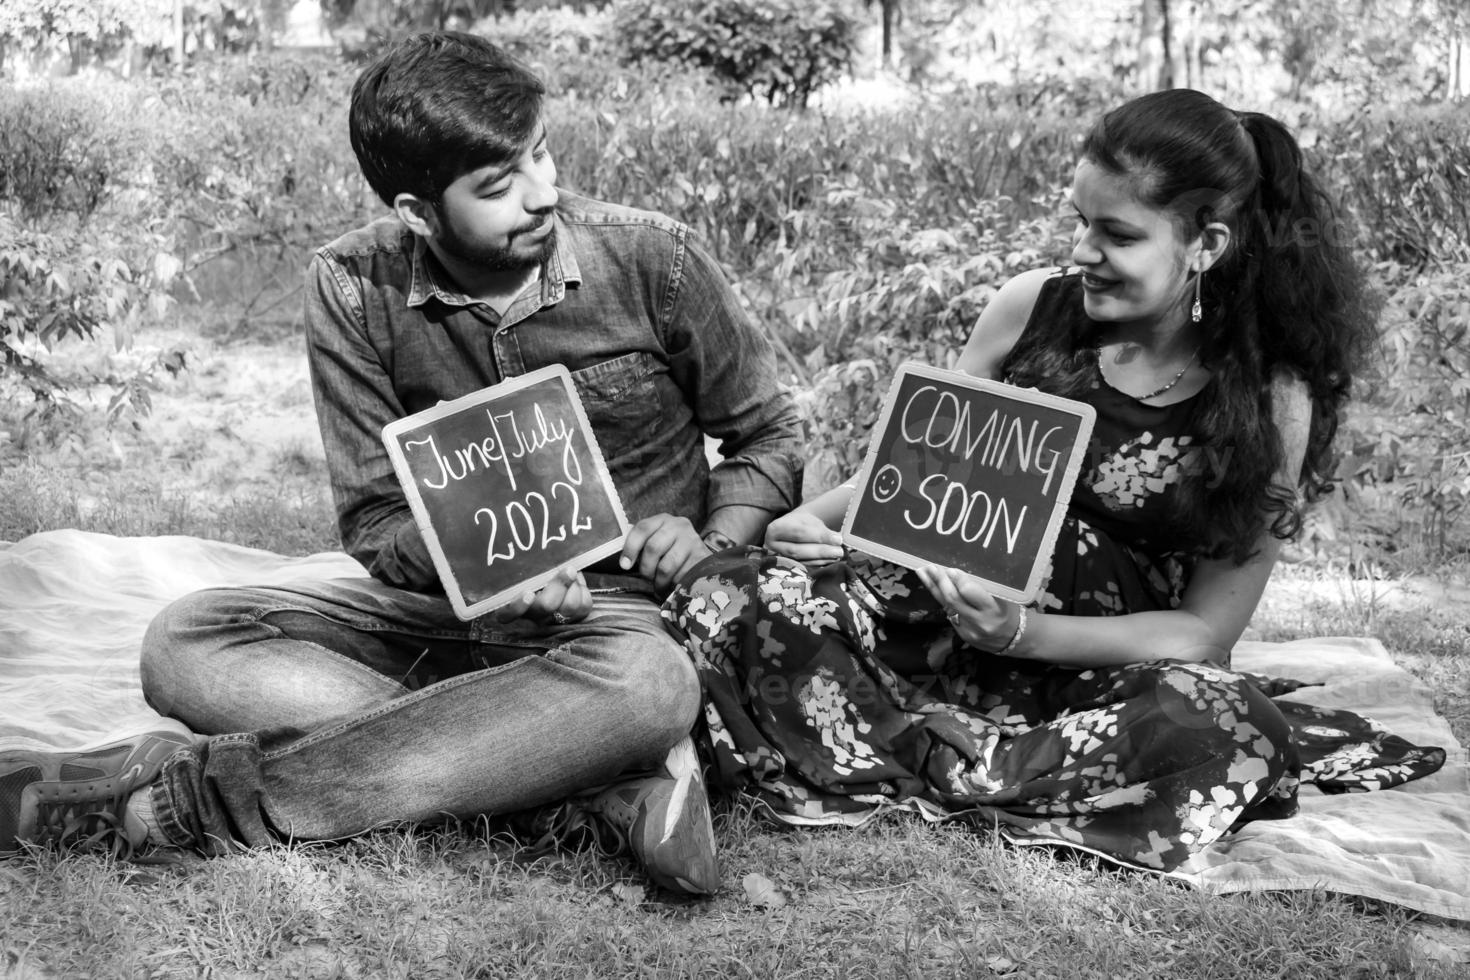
[(85, 825), (564, 826)]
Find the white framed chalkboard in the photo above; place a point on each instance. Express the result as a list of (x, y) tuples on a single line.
[(969, 473), (508, 487)]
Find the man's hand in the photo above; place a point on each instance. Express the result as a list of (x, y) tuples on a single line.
[(565, 599), (805, 537), (661, 548)]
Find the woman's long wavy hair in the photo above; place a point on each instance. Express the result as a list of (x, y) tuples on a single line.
[(1286, 300)]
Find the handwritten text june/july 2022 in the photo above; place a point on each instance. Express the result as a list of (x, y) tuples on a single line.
[(507, 445)]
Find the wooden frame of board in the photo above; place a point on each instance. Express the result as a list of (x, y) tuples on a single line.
[(1023, 580), (470, 601)]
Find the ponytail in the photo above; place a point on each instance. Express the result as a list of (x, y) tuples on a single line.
[(1313, 319)]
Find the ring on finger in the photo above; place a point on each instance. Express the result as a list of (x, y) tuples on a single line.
[(559, 619)]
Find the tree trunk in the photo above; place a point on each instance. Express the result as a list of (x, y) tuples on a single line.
[(1194, 74), (889, 10), (1458, 88), (178, 35), (1160, 51), (1170, 47), (1149, 48)]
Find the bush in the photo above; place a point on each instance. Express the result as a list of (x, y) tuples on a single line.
[(573, 53), (1408, 446), (257, 172), (1406, 174), (791, 203), (68, 156), (61, 150), (72, 284), (766, 49)]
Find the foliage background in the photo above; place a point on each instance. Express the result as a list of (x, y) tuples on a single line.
[(161, 160)]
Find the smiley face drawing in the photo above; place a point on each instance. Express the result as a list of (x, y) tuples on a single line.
[(886, 483)]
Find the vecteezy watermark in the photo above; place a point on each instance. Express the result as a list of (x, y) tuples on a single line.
[(1195, 209), (1282, 231)]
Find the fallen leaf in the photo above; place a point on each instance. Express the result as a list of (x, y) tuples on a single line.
[(1000, 964), (762, 892), (630, 894)]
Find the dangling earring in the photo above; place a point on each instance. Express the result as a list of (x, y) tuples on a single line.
[(1196, 312)]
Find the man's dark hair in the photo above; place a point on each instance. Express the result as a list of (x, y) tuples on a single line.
[(436, 106)]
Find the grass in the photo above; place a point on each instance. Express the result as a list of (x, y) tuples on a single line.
[(897, 898), (294, 517)]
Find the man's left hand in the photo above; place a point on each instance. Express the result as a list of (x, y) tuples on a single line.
[(565, 599), (661, 548)]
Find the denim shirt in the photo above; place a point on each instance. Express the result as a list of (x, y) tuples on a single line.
[(658, 347)]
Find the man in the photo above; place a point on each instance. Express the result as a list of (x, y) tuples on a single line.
[(340, 706)]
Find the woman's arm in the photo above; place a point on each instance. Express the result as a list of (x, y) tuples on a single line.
[(1000, 324), (1217, 604)]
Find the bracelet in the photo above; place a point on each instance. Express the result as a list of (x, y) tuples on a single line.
[(1020, 632)]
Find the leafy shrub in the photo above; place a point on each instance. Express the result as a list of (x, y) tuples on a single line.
[(60, 150), (767, 49), (66, 285), (257, 172), (69, 154), (571, 52), (1406, 173), (787, 201), (1409, 446)]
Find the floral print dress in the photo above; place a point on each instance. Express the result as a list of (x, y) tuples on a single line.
[(832, 693)]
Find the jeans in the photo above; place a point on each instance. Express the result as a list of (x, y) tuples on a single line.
[(339, 706)]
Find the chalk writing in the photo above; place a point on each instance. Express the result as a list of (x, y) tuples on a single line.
[(499, 484), (968, 473)]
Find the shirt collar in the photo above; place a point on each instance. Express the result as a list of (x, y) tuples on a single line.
[(429, 280)]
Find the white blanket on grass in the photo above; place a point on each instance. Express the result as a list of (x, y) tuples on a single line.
[(74, 606)]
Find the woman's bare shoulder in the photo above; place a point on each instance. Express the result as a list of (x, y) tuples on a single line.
[(1002, 321)]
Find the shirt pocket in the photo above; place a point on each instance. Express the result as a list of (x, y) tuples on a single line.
[(621, 398)]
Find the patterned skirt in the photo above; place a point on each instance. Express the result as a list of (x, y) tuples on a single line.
[(833, 693)]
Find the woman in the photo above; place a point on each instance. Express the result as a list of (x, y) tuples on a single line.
[(1214, 328)]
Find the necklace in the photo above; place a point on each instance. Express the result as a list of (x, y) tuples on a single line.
[(1159, 390)]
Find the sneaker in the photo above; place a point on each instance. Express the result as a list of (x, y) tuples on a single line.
[(566, 825), (665, 820), (76, 798)]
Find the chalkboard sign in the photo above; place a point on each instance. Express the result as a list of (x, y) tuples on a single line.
[(508, 487), (969, 473)]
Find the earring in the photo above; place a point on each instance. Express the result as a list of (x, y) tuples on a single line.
[(1196, 312)]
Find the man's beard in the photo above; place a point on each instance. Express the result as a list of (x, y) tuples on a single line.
[(493, 257)]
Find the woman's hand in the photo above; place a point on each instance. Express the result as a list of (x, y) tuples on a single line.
[(979, 618), (805, 537)]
